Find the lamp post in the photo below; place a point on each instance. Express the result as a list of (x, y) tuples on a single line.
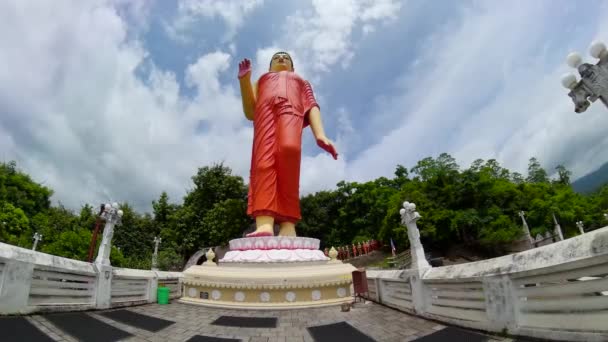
[(37, 237), (112, 215), (93, 243), (594, 78)]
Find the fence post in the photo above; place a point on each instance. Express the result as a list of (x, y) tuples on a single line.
[(420, 266), (103, 288), (501, 302), (377, 285), (15, 284), (153, 288)]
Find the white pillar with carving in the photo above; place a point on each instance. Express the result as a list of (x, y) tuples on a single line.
[(37, 237), (409, 216), (558, 229), (420, 299), (580, 226), (112, 215), (526, 228), (157, 241), (103, 291)]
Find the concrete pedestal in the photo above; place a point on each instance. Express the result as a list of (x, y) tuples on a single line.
[(269, 279)]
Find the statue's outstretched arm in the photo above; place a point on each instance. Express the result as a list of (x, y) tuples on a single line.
[(316, 125), (248, 92)]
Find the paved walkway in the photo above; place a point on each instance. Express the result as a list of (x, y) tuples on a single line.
[(377, 321)]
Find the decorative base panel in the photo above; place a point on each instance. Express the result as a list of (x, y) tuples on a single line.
[(274, 242), (298, 285), (274, 303), (273, 256)]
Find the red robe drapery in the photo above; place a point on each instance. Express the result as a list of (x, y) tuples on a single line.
[(283, 102)]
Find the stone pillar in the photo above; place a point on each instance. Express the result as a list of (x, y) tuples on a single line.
[(112, 216), (558, 229), (500, 302), (37, 237), (153, 288), (581, 227), (420, 295), (409, 216), (103, 290), (526, 228), (157, 240), (15, 284)]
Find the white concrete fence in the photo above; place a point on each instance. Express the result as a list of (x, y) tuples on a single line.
[(557, 292), (38, 282)]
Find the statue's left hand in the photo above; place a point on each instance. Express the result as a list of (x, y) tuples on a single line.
[(328, 146), (244, 68)]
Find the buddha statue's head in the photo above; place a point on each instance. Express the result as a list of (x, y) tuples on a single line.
[(281, 61)]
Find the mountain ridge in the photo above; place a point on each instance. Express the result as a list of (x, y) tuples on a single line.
[(592, 181)]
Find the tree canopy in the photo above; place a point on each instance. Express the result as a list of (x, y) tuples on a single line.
[(476, 206)]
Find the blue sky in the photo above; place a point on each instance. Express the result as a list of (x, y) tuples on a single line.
[(122, 99)]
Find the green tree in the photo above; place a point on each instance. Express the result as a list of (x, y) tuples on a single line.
[(212, 185), (14, 225), (563, 175), (536, 174), (21, 191)]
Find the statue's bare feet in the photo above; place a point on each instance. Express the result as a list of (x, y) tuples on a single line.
[(264, 226), (287, 229), (259, 233)]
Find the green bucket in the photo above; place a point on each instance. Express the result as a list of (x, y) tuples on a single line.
[(162, 295)]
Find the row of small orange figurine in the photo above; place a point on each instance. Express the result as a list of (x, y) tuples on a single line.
[(359, 249)]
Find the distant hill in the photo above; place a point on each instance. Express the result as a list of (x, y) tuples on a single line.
[(592, 181)]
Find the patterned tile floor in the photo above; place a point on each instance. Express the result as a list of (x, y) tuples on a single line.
[(377, 321)]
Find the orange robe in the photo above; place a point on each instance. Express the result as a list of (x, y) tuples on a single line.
[(281, 113)]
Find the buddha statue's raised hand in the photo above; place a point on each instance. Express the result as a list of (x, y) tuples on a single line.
[(244, 68)]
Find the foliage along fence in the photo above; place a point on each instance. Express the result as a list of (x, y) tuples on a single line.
[(557, 292), (38, 282)]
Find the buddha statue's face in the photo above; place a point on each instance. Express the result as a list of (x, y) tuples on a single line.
[(281, 61)]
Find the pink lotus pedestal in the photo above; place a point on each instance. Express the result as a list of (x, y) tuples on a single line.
[(273, 272)]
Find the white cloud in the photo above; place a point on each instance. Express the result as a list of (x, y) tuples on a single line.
[(324, 36), (77, 118), (484, 87), (136, 12), (321, 37), (232, 12)]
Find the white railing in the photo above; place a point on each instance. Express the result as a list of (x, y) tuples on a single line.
[(172, 281), (457, 301), (37, 282), (1, 274), (557, 292), (50, 287), (131, 286)]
